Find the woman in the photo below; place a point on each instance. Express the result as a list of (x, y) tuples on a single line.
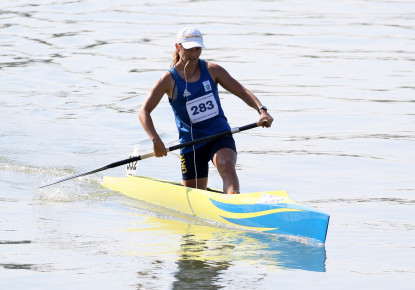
[(191, 85)]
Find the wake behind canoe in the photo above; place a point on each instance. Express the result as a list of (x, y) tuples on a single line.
[(270, 212)]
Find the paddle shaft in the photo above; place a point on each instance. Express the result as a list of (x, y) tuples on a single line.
[(151, 154)]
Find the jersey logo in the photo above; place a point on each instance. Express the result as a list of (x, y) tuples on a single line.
[(186, 93), (207, 86)]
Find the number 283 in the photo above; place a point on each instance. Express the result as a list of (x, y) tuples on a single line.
[(202, 107)]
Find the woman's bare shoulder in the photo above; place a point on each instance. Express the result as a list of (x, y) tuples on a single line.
[(213, 66), (164, 85), (216, 71), (165, 81), (167, 78)]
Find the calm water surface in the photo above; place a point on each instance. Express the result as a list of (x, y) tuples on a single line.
[(338, 76)]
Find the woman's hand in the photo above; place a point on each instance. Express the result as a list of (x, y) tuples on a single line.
[(265, 119), (159, 148)]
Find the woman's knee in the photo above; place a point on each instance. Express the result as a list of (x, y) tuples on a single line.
[(225, 160)]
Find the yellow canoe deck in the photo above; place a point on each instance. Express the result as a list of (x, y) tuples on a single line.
[(271, 211)]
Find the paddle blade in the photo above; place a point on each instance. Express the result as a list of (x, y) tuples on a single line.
[(72, 177)]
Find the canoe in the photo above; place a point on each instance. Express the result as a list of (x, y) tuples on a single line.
[(269, 212)]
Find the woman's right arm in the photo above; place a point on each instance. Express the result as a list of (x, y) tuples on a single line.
[(161, 87)]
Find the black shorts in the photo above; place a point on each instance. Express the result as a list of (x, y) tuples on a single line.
[(203, 155)]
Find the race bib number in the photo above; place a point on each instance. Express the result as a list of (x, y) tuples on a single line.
[(202, 108)]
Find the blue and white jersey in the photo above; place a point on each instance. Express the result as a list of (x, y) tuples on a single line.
[(197, 107)]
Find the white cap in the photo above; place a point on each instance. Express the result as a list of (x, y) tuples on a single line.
[(190, 37)]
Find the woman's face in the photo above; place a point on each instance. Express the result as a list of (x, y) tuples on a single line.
[(189, 55)]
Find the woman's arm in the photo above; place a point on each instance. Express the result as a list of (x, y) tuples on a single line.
[(222, 77), (161, 87)]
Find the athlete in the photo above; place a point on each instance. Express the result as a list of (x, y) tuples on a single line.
[(191, 84)]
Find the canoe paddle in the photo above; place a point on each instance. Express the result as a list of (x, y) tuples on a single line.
[(151, 154)]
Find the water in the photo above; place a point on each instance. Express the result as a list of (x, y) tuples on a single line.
[(336, 75)]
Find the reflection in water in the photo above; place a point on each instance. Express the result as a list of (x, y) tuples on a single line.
[(206, 252), (194, 269)]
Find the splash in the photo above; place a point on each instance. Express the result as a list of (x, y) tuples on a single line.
[(81, 189)]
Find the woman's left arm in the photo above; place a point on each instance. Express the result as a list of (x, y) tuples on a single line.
[(222, 77)]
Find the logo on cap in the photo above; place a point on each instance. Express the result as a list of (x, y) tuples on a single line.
[(190, 37)]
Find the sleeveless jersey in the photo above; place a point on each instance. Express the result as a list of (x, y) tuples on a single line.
[(197, 109)]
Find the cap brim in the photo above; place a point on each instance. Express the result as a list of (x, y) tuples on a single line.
[(192, 44)]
